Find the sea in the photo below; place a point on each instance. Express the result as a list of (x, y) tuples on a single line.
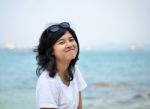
[(115, 79)]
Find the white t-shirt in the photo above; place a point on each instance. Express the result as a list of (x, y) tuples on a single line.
[(53, 93)]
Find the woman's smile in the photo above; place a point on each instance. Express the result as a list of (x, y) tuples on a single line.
[(65, 48), (71, 50)]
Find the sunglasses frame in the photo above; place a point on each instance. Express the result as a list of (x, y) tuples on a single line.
[(56, 27)]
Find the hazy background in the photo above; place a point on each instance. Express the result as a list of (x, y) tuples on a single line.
[(99, 24), (114, 37)]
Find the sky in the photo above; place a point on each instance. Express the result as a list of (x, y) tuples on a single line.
[(99, 24)]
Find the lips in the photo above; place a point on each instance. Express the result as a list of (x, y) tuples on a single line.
[(70, 50)]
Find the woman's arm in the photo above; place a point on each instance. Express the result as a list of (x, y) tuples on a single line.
[(80, 101)]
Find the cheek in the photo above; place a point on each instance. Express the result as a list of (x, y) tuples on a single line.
[(58, 50), (75, 44)]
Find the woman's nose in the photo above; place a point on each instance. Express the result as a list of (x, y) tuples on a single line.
[(68, 44)]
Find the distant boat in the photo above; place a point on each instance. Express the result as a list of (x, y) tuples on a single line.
[(136, 48), (9, 45)]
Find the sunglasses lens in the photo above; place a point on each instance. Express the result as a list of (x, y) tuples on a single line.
[(65, 24), (54, 28)]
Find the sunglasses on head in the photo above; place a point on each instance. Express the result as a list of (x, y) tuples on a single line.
[(56, 27)]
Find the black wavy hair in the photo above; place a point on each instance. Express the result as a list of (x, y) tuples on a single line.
[(44, 57)]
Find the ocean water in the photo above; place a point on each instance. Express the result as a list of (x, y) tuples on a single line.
[(116, 79)]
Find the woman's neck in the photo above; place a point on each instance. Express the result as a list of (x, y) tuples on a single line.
[(62, 69)]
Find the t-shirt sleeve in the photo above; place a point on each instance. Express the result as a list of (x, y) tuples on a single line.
[(46, 95), (80, 80)]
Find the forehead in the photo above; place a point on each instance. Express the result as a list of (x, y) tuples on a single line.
[(66, 35)]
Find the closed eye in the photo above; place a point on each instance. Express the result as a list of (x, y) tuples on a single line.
[(71, 39), (61, 42)]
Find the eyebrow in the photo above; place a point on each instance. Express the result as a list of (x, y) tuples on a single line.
[(61, 39)]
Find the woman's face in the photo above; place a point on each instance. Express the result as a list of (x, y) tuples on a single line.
[(66, 48)]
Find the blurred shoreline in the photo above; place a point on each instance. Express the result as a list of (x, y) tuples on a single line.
[(116, 79)]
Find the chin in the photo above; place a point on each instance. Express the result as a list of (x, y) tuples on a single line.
[(71, 58)]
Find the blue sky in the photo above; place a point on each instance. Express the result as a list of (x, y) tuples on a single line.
[(98, 23)]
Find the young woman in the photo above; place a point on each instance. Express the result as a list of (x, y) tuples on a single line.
[(60, 82)]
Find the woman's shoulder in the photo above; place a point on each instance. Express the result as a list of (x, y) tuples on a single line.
[(77, 71), (46, 84), (76, 68), (44, 78), (79, 79)]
